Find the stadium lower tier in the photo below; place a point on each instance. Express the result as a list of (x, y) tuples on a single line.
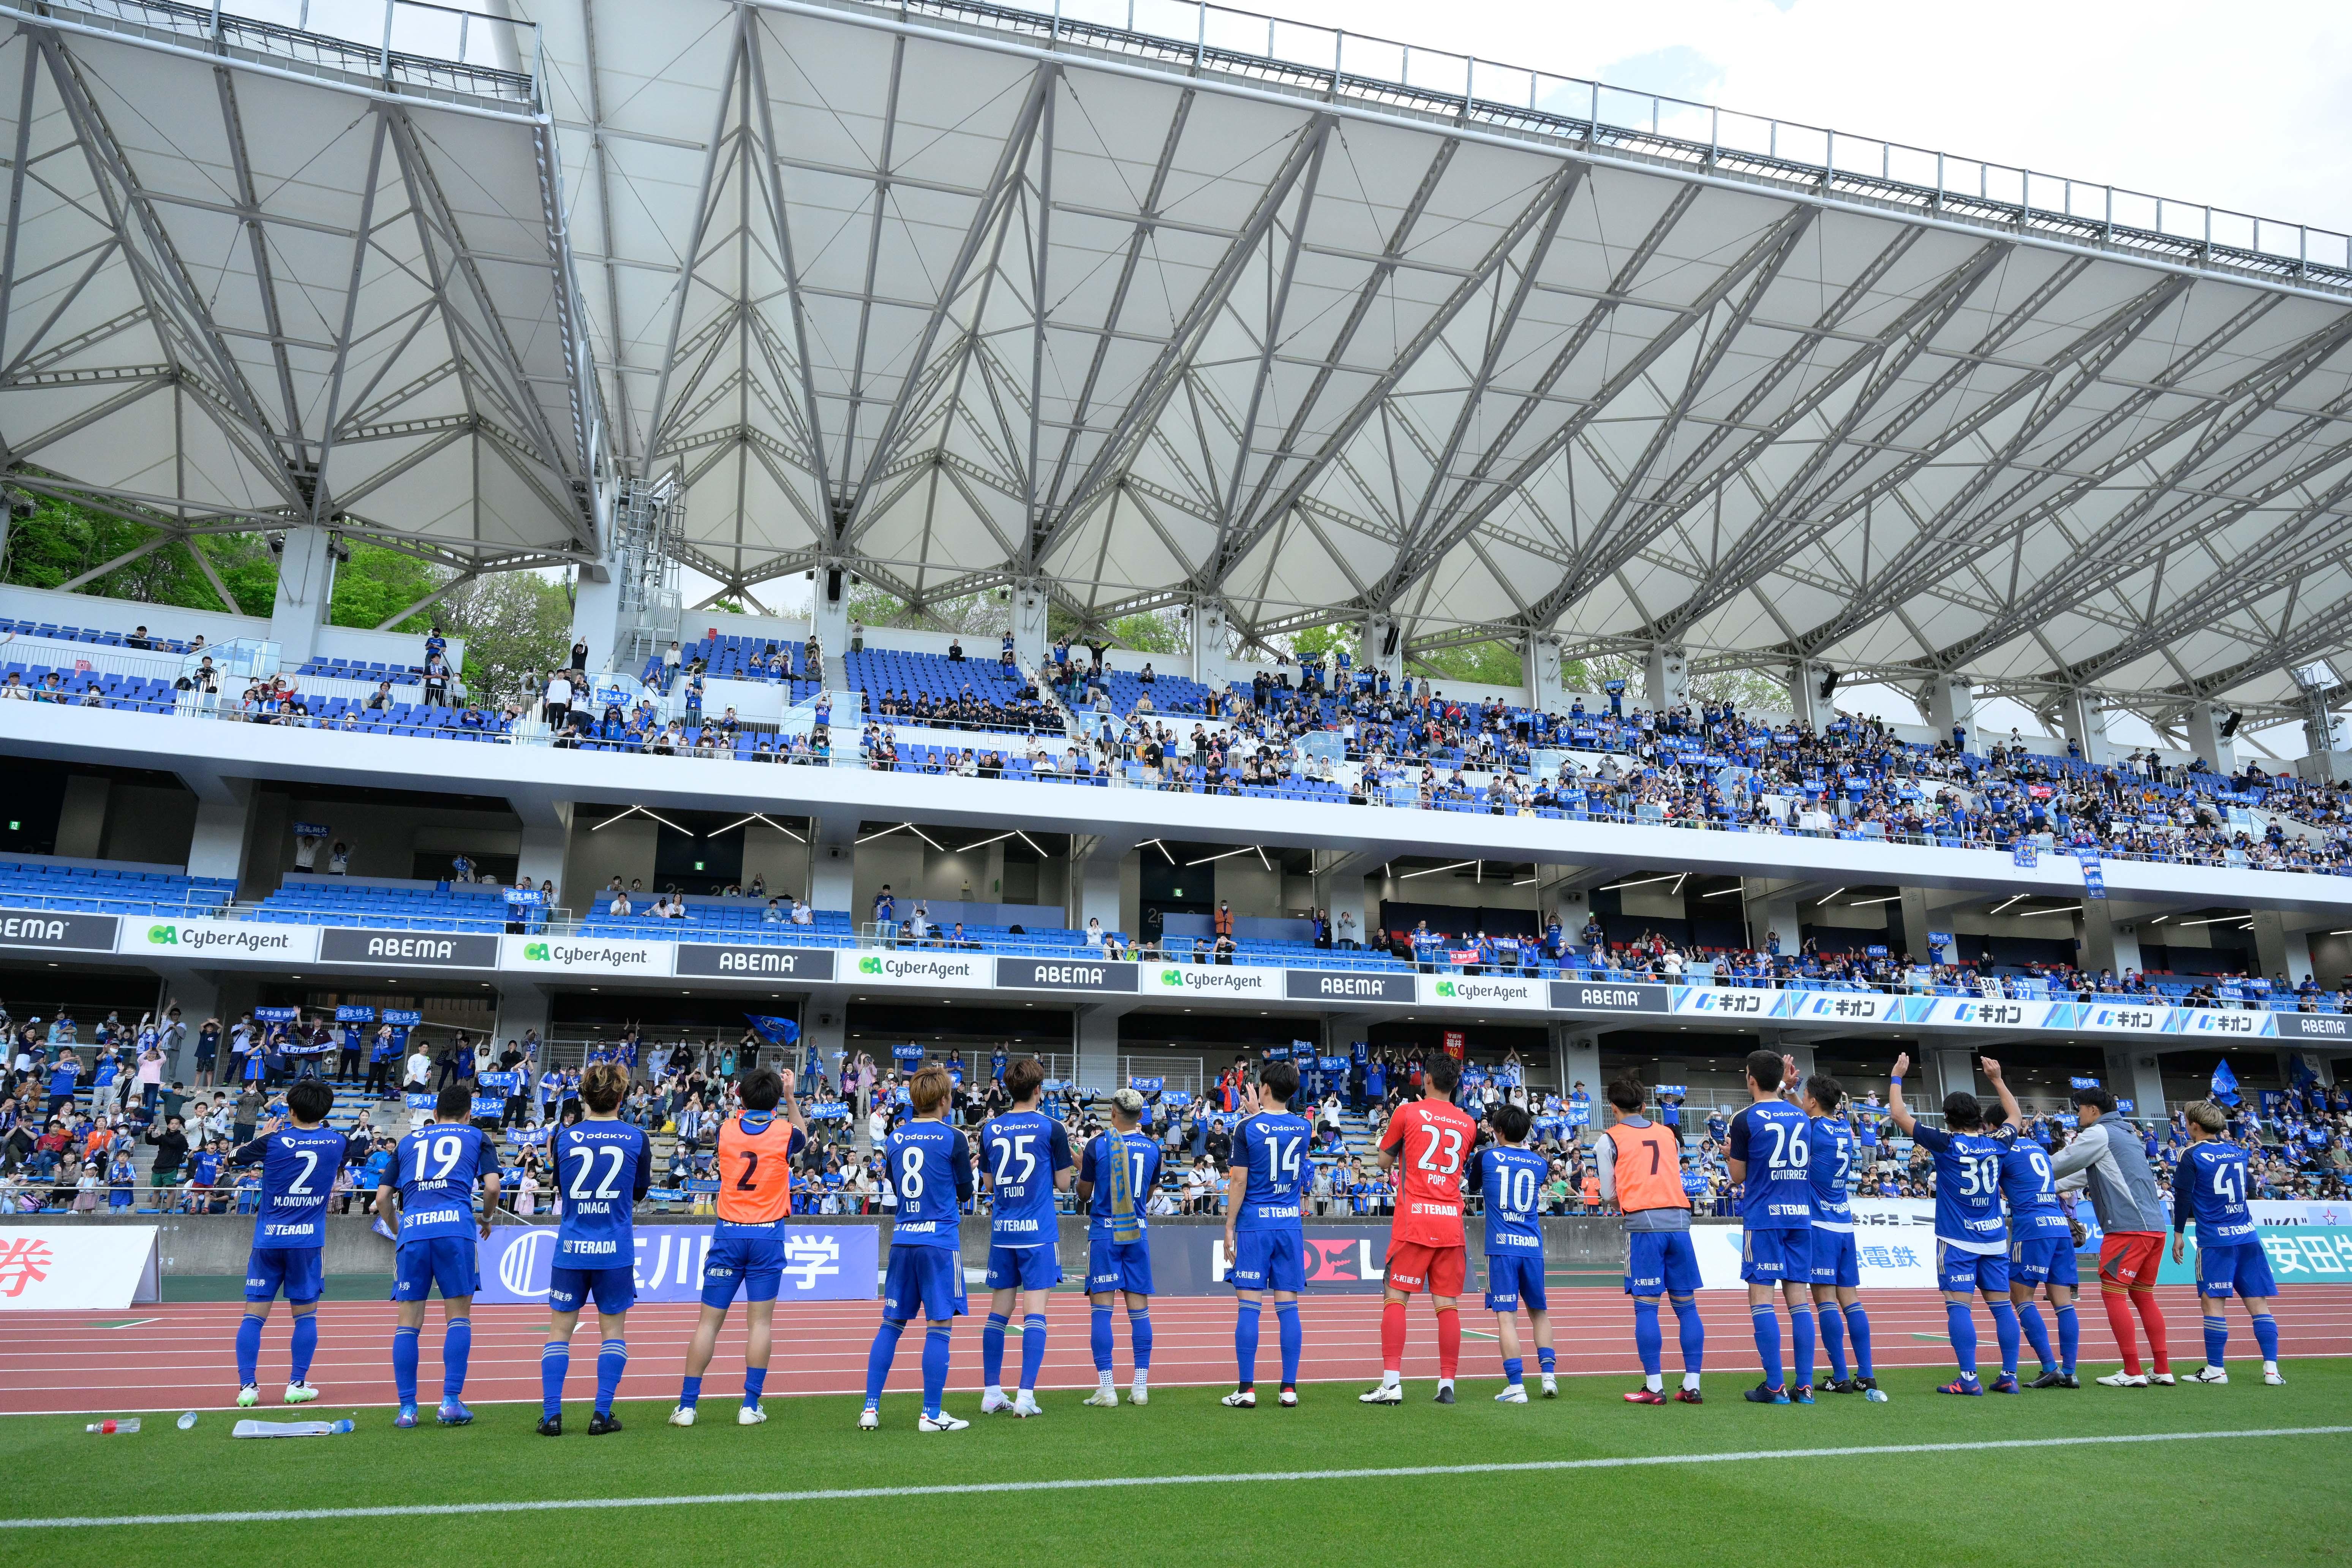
[(183, 1357)]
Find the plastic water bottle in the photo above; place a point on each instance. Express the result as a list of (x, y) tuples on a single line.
[(291, 1428), (187, 1420), (109, 1428)]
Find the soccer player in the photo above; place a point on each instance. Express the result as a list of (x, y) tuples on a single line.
[(2040, 1244), (1264, 1234), (1769, 1152), (1115, 1175), (2105, 1159), (2210, 1187), (1427, 1142), (1836, 1267), (427, 1200), (297, 1176), (1971, 1241), (1640, 1171), (1512, 1177), (1024, 1159), (931, 1167), (603, 1167), (755, 1194)]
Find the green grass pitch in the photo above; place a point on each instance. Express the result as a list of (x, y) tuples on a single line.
[(2247, 1501)]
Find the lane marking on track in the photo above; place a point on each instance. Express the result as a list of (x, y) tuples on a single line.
[(977, 1488)]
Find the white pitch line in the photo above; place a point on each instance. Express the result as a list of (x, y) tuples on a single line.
[(974, 1489)]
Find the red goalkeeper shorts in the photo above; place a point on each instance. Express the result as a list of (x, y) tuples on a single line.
[(1440, 1270), (2128, 1260)]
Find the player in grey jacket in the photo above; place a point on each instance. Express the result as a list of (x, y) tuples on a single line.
[(2105, 1159)]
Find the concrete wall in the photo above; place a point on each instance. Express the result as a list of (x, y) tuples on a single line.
[(625, 849), (385, 839), (148, 822)]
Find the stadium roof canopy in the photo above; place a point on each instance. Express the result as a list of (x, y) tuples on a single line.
[(1153, 302)]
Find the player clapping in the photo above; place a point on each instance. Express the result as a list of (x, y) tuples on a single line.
[(298, 1178), (931, 1164), (603, 1167), (2210, 1187), (1426, 1142), (755, 1194), (1836, 1271), (1511, 1176), (1024, 1157), (1115, 1175), (428, 1197), (1264, 1231)]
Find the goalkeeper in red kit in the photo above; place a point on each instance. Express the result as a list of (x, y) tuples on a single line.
[(1427, 1144)]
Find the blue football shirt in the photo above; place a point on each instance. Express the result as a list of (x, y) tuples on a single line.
[(603, 1169), (1967, 1187), (2212, 1175), (1021, 1152), (2030, 1189), (1512, 1182), (297, 1176), (1142, 1174), (1772, 1137), (1272, 1147), (1829, 1165), (930, 1169), (437, 1168)]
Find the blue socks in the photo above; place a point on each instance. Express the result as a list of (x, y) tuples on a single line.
[(991, 1349), (755, 1383), (2266, 1336), (1138, 1329), (689, 1393), (2004, 1335), (1544, 1360), (1963, 1327), (2069, 1338), (1515, 1370), (2037, 1334), (1246, 1344), (1692, 1332), (249, 1350), (879, 1359), (1285, 1317), (612, 1360), (1832, 1323), (1032, 1350), (1098, 1338), (306, 1344), (404, 1363), (1857, 1327), (1649, 1343), (2217, 1338), (554, 1366), (456, 1345), (935, 1366), (1800, 1333), (1768, 1344)]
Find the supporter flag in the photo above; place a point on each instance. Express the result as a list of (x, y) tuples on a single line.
[(776, 1031), (2225, 1083)]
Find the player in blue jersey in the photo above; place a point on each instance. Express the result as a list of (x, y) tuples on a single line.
[(603, 1167), (290, 1236), (931, 1167), (1769, 1155), (1116, 1177), (2041, 1244), (1512, 1177), (1971, 1241), (1836, 1264), (1025, 1160), (2208, 1186), (1265, 1238), (427, 1200)]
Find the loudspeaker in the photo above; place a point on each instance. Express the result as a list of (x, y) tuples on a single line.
[(1829, 683), (1388, 642), (2229, 725), (833, 584)]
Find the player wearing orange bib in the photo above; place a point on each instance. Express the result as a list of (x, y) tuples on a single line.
[(1427, 1144), (746, 1250)]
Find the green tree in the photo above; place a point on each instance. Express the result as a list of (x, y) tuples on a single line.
[(514, 623), (971, 614), (62, 541), (1493, 663), (377, 584), (1151, 631)]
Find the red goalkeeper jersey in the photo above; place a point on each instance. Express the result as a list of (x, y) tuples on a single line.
[(1432, 1139)]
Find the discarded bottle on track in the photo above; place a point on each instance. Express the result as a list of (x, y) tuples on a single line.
[(291, 1428), (188, 1419), (112, 1428)]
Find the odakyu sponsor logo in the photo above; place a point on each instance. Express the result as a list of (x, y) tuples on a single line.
[(199, 937)]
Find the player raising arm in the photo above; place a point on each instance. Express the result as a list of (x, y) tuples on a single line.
[(1427, 1143), (603, 1167), (2040, 1244), (1115, 1175), (1769, 1154), (2208, 1186), (1265, 1236), (1025, 1160), (930, 1166), (1836, 1268), (1971, 1241), (1640, 1170), (297, 1176), (1512, 1177), (427, 1198), (755, 1195)]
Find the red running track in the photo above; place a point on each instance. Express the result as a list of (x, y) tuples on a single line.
[(184, 1357)]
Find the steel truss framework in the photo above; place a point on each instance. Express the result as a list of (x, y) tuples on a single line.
[(954, 300)]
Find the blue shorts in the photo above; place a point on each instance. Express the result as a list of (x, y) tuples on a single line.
[(1514, 1280), (1113, 1267), (296, 1270), (1958, 1270), (2244, 1268), (925, 1281), (568, 1289), (446, 1261), (753, 1265), (2044, 1260), (1661, 1262), (1266, 1261), (1770, 1256), (1035, 1268), (1835, 1259)]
